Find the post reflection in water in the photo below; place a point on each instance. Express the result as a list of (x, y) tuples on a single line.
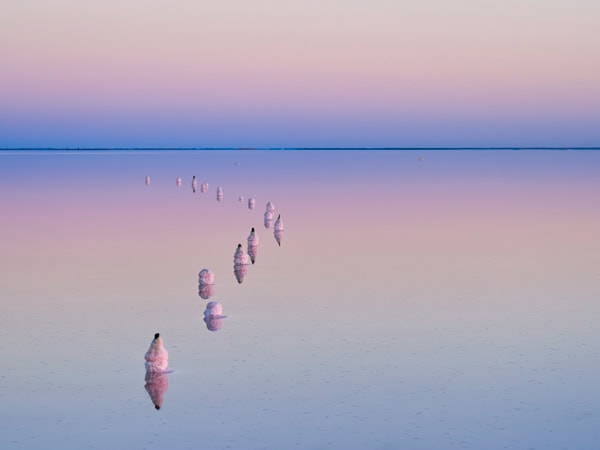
[(206, 291), (278, 236), (268, 219), (213, 323), (156, 385), (240, 271), (278, 230), (252, 252)]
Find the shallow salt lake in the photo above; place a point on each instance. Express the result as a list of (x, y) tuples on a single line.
[(446, 303)]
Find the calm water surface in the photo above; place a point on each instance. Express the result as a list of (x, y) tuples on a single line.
[(451, 302)]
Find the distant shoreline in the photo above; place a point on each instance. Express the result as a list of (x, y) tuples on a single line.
[(159, 149)]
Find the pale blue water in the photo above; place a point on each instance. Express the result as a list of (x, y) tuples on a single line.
[(444, 303)]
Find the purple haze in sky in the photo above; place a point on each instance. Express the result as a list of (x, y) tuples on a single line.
[(285, 73)]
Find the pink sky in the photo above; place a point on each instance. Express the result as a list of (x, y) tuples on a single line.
[(289, 73)]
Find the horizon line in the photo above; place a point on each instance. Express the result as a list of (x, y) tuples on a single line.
[(74, 149)]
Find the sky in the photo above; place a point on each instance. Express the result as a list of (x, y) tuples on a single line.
[(290, 73)]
